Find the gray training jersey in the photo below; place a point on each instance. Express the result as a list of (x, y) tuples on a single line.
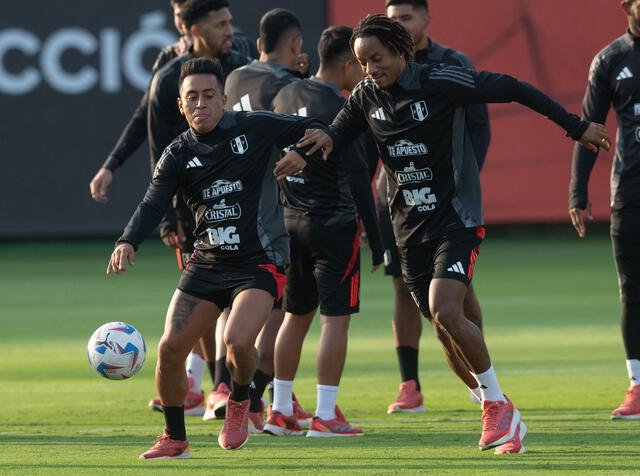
[(253, 87)]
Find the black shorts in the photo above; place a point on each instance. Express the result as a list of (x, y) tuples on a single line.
[(391, 254), (452, 256), (220, 283), (324, 269), (625, 236)]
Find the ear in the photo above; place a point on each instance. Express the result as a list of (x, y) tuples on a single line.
[(427, 20), (224, 100), (180, 106), (194, 30), (625, 7), (259, 45)]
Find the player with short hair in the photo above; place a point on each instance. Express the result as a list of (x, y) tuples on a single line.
[(436, 206), (614, 80), (241, 242), (321, 205), (252, 88), (415, 17)]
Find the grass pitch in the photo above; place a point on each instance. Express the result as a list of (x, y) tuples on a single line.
[(551, 312)]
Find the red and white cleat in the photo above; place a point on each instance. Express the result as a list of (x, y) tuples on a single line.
[(500, 421), (304, 418), (282, 425), (409, 399), (338, 426), (629, 409), (514, 446), (235, 431), (217, 403), (166, 448)]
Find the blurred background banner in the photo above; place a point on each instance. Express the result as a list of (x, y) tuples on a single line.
[(72, 72), (549, 44)]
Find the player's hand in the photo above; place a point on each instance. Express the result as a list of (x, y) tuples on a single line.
[(100, 184), (173, 239), (375, 268), (123, 254), (320, 138), (290, 164), (302, 64), (577, 221), (594, 137)]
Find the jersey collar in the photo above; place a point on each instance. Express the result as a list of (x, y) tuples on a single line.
[(409, 79), (631, 40)]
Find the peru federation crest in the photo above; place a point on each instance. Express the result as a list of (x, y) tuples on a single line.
[(239, 145), (419, 111)]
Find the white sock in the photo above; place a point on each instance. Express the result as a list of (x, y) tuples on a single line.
[(489, 386), (327, 396), (477, 392), (282, 400), (195, 369), (633, 367)]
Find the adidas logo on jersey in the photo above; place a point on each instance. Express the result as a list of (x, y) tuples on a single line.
[(380, 115), (193, 163), (456, 268), (624, 74), (243, 105)]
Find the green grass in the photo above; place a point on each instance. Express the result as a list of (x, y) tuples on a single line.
[(551, 312)]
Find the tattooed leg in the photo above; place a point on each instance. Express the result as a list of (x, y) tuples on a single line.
[(188, 318)]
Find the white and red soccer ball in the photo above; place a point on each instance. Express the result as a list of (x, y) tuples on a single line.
[(116, 350)]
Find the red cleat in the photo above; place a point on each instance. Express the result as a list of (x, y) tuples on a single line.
[(514, 446), (500, 421), (235, 431), (630, 407), (217, 403), (282, 425), (339, 426), (256, 421), (166, 448), (409, 399), (304, 418)]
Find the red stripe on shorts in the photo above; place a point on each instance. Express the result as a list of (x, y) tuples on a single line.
[(280, 278), (355, 289), (354, 255), (472, 261)]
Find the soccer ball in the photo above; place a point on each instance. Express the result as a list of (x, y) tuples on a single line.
[(116, 350)]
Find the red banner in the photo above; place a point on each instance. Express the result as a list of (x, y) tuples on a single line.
[(549, 44)]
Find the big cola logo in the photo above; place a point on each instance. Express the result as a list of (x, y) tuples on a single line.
[(118, 57)]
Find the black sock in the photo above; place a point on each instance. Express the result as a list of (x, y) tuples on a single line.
[(408, 360), (631, 329), (239, 392), (174, 419), (260, 381), (212, 372), (222, 373)]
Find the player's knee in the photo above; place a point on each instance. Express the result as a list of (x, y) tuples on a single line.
[(169, 352), (237, 345), (445, 315)]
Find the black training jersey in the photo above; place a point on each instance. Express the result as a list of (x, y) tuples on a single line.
[(253, 87), (227, 180), (164, 120), (418, 123), (321, 190), (614, 80), (476, 115)]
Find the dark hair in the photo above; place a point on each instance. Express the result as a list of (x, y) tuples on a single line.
[(414, 3), (195, 10), (173, 3), (274, 25), (390, 33), (201, 66), (334, 44)]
